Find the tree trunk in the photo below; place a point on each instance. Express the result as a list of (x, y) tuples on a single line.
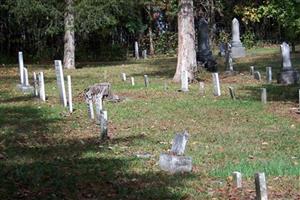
[(186, 59), (69, 40), (151, 41)]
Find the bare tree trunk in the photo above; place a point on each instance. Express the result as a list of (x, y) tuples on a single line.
[(186, 59), (69, 40), (151, 41)]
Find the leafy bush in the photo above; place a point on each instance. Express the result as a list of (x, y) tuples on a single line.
[(166, 43), (248, 39)]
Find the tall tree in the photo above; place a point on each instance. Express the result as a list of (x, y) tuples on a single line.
[(186, 60), (69, 39)]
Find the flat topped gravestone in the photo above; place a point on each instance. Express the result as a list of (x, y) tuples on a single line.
[(257, 75), (176, 162), (24, 85), (60, 82)]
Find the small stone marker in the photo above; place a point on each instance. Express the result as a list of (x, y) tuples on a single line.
[(257, 75), (70, 94), (36, 85), (104, 125), (269, 74), (132, 81), (216, 84), (261, 186), (60, 82), (146, 80), (91, 109), (179, 143), (251, 70), (26, 80), (184, 81), (42, 86), (144, 54), (237, 178), (176, 162), (136, 50), (21, 67), (201, 88), (124, 78), (232, 93), (99, 107), (264, 95), (165, 86)]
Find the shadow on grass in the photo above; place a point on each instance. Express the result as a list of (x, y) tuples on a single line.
[(274, 92)]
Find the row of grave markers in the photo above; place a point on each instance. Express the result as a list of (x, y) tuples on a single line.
[(39, 83)]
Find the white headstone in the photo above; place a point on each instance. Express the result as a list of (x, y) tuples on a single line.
[(136, 50), (269, 74), (237, 178), (124, 78), (216, 84), (42, 86), (35, 81), (70, 100), (21, 67), (132, 81), (26, 80), (99, 107), (146, 80), (179, 143), (104, 125), (286, 57), (261, 186), (252, 70), (60, 82), (264, 95), (184, 81), (91, 109)]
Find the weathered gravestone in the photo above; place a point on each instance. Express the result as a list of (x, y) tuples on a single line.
[(24, 85), (204, 53), (103, 125), (288, 74), (184, 81), (36, 85), (232, 93), (123, 75), (99, 107), (70, 100), (257, 75), (146, 80), (176, 162), (252, 70), (91, 112), (144, 54), (269, 74), (60, 82), (237, 49), (222, 48), (237, 178), (264, 95), (229, 61), (261, 186), (201, 88), (42, 93), (132, 81), (216, 84)]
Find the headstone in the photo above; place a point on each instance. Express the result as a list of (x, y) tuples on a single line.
[(146, 80), (232, 93), (269, 74), (238, 50), (204, 53), (222, 48), (184, 81), (179, 143), (91, 109), (201, 88), (216, 84), (264, 95), (136, 50), (252, 70), (261, 186), (99, 108), (101, 88), (104, 125), (144, 54), (36, 85), (176, 162), (165, 86), (288, 74), (257, 75), (124, 78), (237, 178), (42, 86), (70, 94), (229, 62), (26, 79), (60, 82), (21, 67), (132, 81)]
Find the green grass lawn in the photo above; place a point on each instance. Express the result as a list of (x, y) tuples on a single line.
[(47, 153)]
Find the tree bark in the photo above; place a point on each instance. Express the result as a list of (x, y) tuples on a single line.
[(186, 59), (69, 39), (151, 41)]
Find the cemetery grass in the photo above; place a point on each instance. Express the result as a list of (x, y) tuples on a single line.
[(47, 153)]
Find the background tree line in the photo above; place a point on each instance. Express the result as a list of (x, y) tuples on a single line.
[(106, 29)]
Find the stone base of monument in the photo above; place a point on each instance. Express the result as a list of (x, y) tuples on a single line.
[(238, 51), (25, 89), (288, 77), (175, 164)]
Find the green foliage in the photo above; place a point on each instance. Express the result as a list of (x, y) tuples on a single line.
[(223, 37), (248, 39), (166, 43)]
